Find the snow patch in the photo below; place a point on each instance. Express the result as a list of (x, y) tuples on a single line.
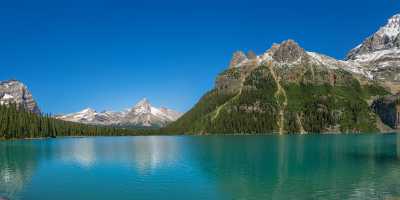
[(7, 97), (378, 55), (392, 28)]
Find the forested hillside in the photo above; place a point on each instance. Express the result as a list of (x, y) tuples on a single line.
[(286, 90)]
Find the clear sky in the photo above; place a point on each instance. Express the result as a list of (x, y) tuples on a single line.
[(109, 54)]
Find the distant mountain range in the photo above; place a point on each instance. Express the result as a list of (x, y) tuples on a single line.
[(290, 90), (143, 114)]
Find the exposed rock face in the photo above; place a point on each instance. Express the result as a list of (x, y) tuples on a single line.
[(287, 51), (143, 114), (379, 54), (237, 58), (388, 109), (15, 92), (230, 81), (386, 37), (251, 55)]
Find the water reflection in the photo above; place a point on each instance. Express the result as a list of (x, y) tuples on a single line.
[(18, 162), (295, 167), (153, 151), (398, 145), (143, 153), (20, 159), (239, 167), (81, 150)]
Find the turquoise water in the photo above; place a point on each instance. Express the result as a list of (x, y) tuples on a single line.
[(202, 167)]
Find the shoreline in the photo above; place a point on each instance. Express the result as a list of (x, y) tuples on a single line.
[(209, 134)]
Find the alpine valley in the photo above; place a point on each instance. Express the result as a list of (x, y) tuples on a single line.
[(290, 90)]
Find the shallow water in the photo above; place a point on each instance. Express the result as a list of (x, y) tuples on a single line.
[(202, 167)]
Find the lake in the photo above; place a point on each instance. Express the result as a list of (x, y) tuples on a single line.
[(202, 167)]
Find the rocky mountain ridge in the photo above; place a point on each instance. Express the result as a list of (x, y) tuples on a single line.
[(379, 54), (15, 92), (143, 114)]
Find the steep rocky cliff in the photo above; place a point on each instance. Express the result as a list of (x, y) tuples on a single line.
[(15, 92), (388, 109)]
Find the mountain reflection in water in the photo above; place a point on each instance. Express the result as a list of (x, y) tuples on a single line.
[(202, 167)]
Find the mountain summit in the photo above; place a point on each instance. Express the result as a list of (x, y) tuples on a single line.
[(287, 51), (387, 37), (143, 114), (379, 54)]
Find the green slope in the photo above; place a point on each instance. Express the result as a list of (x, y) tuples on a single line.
[(269, 101)]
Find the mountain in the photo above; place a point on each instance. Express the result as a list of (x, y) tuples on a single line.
[(90, 116), (285, 90), (15, 92), (379, 54), (143, 114)]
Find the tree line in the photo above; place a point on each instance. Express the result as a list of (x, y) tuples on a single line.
[(18, 123)]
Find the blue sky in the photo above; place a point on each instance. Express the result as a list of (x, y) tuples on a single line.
[(109, 54)]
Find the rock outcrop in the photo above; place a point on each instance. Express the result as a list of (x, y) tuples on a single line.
[(237, 58), (15, 92), (388, 109), (288, 51)]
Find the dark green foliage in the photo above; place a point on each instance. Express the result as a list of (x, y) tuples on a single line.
[(16, 123), (220, 112), (196, 120), (323, 107), (313, 104), (374, 89), (233, 72), (254, 110)]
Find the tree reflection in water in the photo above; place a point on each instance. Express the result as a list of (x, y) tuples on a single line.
[(234, 167)]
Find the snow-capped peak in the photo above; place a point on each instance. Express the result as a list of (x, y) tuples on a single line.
[(88, 110), (392, 28), (143, 102), (143, 106)]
